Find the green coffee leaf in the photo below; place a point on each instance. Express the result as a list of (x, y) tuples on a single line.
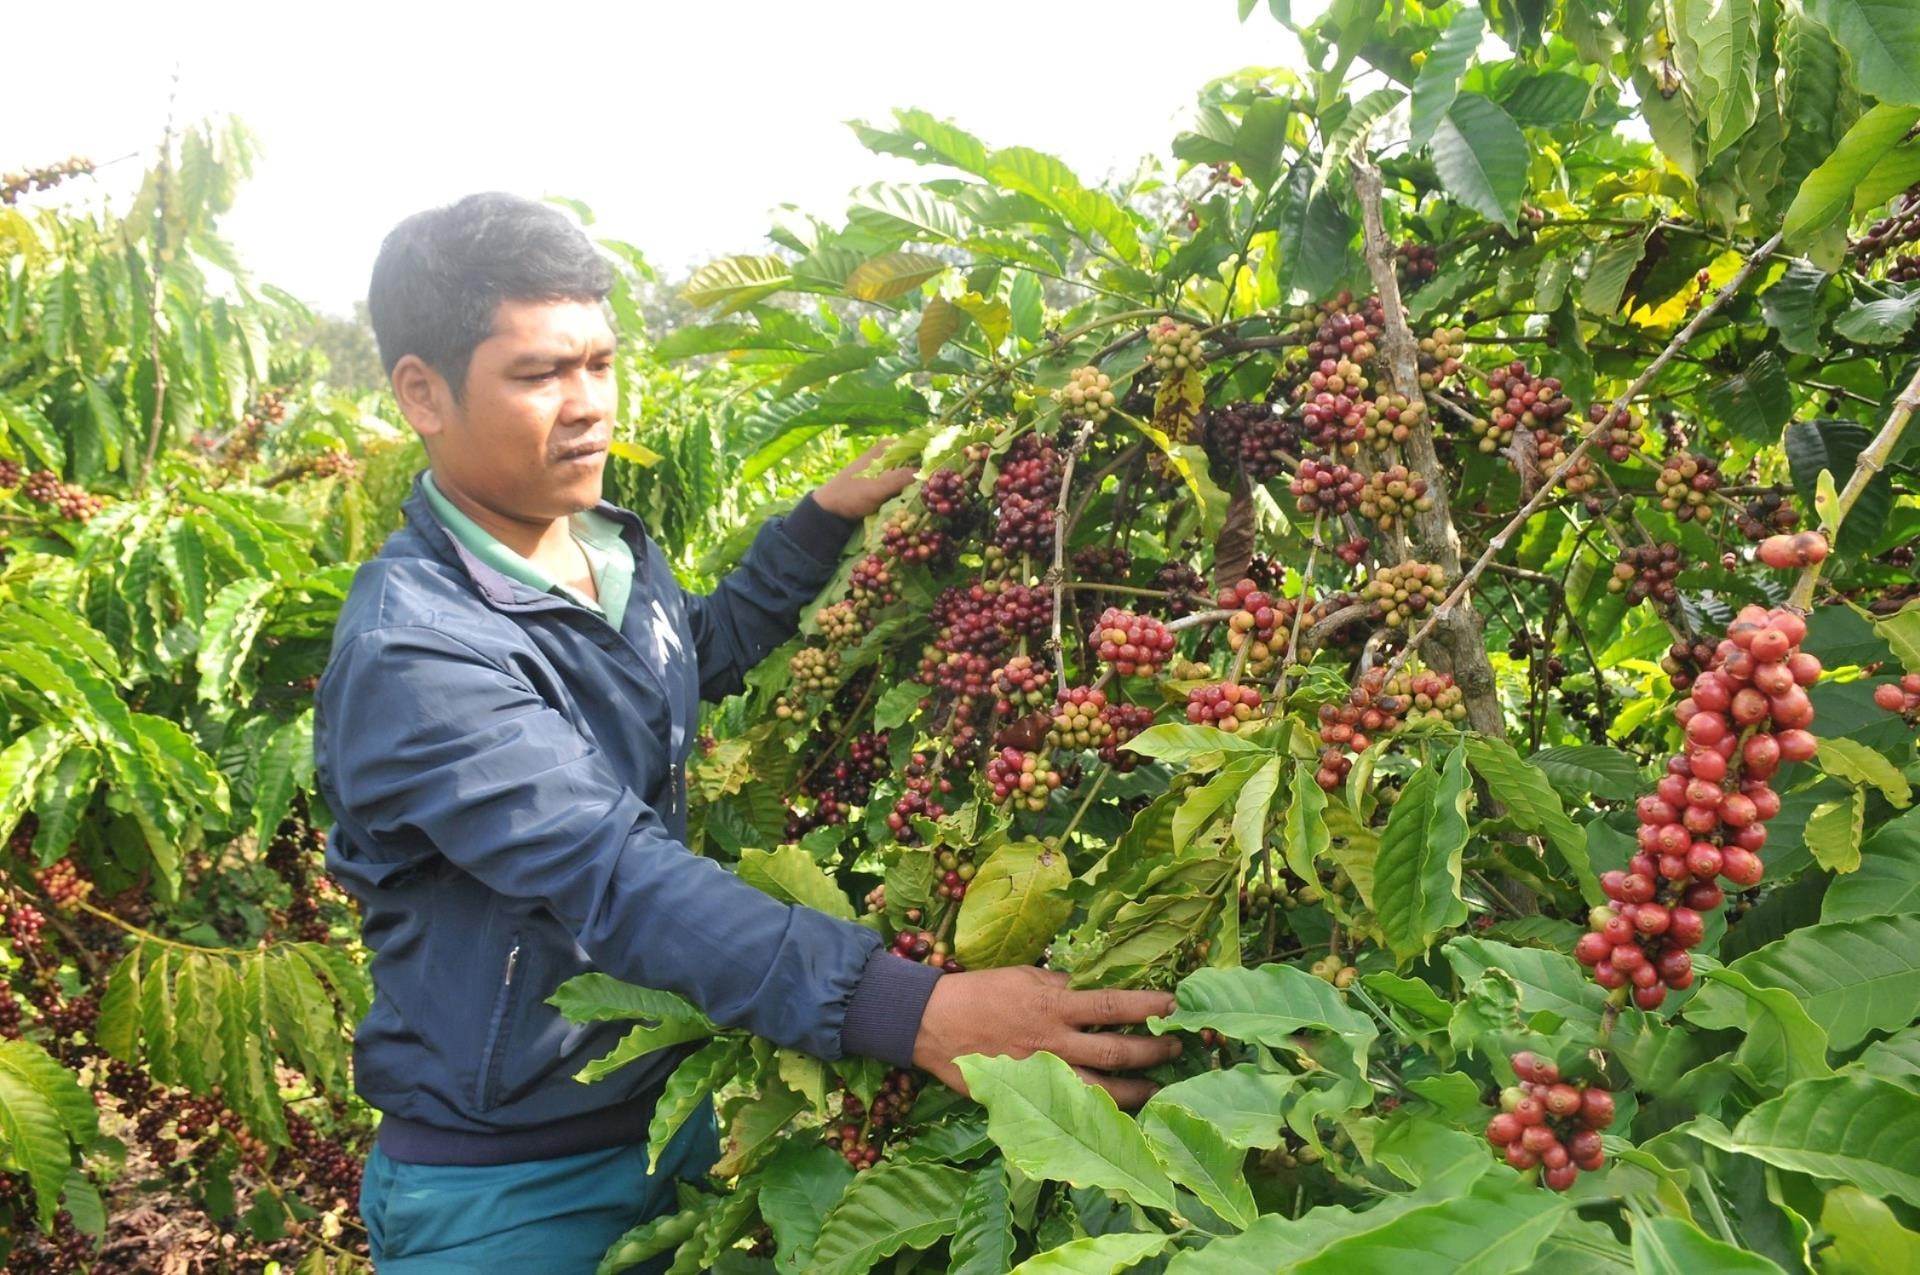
[(1014, 905), (1416, 882), (1056, 1126), (1850, 1128)]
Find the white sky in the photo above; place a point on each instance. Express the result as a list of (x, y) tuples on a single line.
[(681, 123)]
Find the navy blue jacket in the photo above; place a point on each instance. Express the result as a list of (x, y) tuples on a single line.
[(508, 775)]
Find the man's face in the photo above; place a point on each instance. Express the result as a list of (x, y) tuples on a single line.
[(529, 439)]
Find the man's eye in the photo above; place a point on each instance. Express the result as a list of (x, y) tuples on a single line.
[(536, 377)]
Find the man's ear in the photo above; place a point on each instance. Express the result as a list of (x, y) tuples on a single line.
[(424, 396)]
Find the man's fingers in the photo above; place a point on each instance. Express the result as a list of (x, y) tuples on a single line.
[(1112, 1007), (1129, 1094), (1112, 1051)]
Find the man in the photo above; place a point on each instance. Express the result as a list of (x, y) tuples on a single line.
[(501, 734)]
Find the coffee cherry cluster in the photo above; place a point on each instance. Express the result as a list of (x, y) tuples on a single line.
[(1325, 487), (1903, 269), (1331, 969), (1020, 686), (1684, 661), (862, 1132), (1546, 1122), (1902, 697), (1183, 585), (1439, 355), (330, 1165), (10, 472), (1333, 406), (1391, 494), (840, 622), (1766, 514), (1415, 263), (1517, 399), (1622, 434), (924, 786), (1123, 722), (1131, 643), (1404, 592), (956, 870), (15, 184), (872, 584), (1686, 484), (1025, 493), (76, 504), (1742, 718), (1252, 437), (814, 670), (953, 495), (1079, 719), (1256, 621), (1174, 347), (1346, 331), (1226, 705), (907, 538), (1351, 727), (63, 884), (1422, 695), (1027, 776), (1087, 395), (1901, 226), (1648, 571), (1388, 418), (1102, 564), (1788, 553)]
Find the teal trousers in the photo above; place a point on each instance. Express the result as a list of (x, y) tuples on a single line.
[(534, 1217)]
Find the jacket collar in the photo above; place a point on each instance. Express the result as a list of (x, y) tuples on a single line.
[(501, 591)]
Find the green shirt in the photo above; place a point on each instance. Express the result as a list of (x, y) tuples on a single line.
[(609, 557)]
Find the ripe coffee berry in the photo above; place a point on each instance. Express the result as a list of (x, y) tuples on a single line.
[(1549, 1124), (1517, 399), (1224, 704), (1685, 485), (1622, 433), (1745, 714), (1131, 643), (1902, 697), (1802, 549), (1325, 487), (1648, 571)]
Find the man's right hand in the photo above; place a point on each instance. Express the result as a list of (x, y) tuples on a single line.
[(1022, 1011)]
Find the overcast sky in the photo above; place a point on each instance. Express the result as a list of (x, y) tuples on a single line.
[(682, 123)]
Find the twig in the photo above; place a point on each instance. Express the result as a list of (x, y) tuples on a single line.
[(1057, 578), (1871, 462), (1599, 428), (1299, 613)]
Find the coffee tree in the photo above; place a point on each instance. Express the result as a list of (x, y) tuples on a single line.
[(1427, 580)]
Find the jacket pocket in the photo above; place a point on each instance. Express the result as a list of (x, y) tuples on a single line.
[(493, 1053)]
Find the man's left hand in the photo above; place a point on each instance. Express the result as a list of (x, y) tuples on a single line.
[(853, 493)]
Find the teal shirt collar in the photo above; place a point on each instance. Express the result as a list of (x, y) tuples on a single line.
[(609, 556)]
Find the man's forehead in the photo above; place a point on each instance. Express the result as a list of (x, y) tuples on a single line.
[(560, 326)]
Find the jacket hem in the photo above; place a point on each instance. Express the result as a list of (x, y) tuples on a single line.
[(412, 1142)]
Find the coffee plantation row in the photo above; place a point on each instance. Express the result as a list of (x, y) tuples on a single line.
[(1427, 577)]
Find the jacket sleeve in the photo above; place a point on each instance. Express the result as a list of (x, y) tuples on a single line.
[(757, 607), (436, 741)]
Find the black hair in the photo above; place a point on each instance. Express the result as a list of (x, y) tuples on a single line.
[(442, 273)]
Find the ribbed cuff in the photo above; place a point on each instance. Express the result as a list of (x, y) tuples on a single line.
[(883, 1016), (821, 534)]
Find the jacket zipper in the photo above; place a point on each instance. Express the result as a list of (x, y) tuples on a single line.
[(503, 1006)]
